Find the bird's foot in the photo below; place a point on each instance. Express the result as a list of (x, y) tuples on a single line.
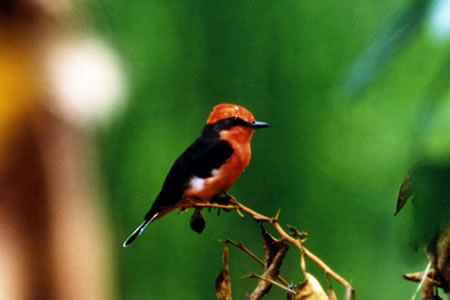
[(223, 199)]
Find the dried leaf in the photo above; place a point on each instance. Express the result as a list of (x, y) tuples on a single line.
[(271, 247), (274, 253), (271, 273), (443, 250), (443, 259), (223, 283), (331, 294), (428, 291), (290, 296), (310, 289), (405, 193), (197, 222)]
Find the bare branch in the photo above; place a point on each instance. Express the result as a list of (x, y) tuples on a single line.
[(271, 273), (418, 277), (252, 255), (297, 243), (253, 275), (349, 292)]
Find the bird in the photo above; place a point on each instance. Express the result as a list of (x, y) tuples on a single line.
[(208, 167)]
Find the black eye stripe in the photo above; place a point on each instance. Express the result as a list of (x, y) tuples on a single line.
[(231, 122), (224, 124)]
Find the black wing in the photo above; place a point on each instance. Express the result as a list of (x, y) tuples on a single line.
[(204, 155)]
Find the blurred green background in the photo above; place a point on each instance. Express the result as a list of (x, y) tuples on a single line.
[(356, 93)]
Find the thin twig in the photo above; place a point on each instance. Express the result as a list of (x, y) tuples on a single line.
[(256, 215), (349, 292), (253, 275), (212, 205), (418, 277), (239, 212), (297, 244), (252, 255)]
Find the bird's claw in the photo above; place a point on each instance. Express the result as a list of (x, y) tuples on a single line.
[(223, 199)]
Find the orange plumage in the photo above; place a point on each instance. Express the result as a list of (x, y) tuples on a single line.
[(239, 138), (209, 167)]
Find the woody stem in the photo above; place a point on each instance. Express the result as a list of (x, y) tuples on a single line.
[(284, 236), (297, 243)]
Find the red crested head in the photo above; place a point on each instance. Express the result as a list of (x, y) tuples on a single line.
[(226, 111)]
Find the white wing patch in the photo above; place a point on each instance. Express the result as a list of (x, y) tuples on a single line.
[(197, 183)]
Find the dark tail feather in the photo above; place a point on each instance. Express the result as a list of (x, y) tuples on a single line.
[(138, 231)]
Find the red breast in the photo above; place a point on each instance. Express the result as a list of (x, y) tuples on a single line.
[(239, 137)]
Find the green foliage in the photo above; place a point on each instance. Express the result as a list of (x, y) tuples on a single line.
[(332, 161), (431, 201)]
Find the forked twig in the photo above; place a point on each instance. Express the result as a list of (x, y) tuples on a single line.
[(297, 243), (252, 255), (349, 292)]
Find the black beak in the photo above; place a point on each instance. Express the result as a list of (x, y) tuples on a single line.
[(258, 124)]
